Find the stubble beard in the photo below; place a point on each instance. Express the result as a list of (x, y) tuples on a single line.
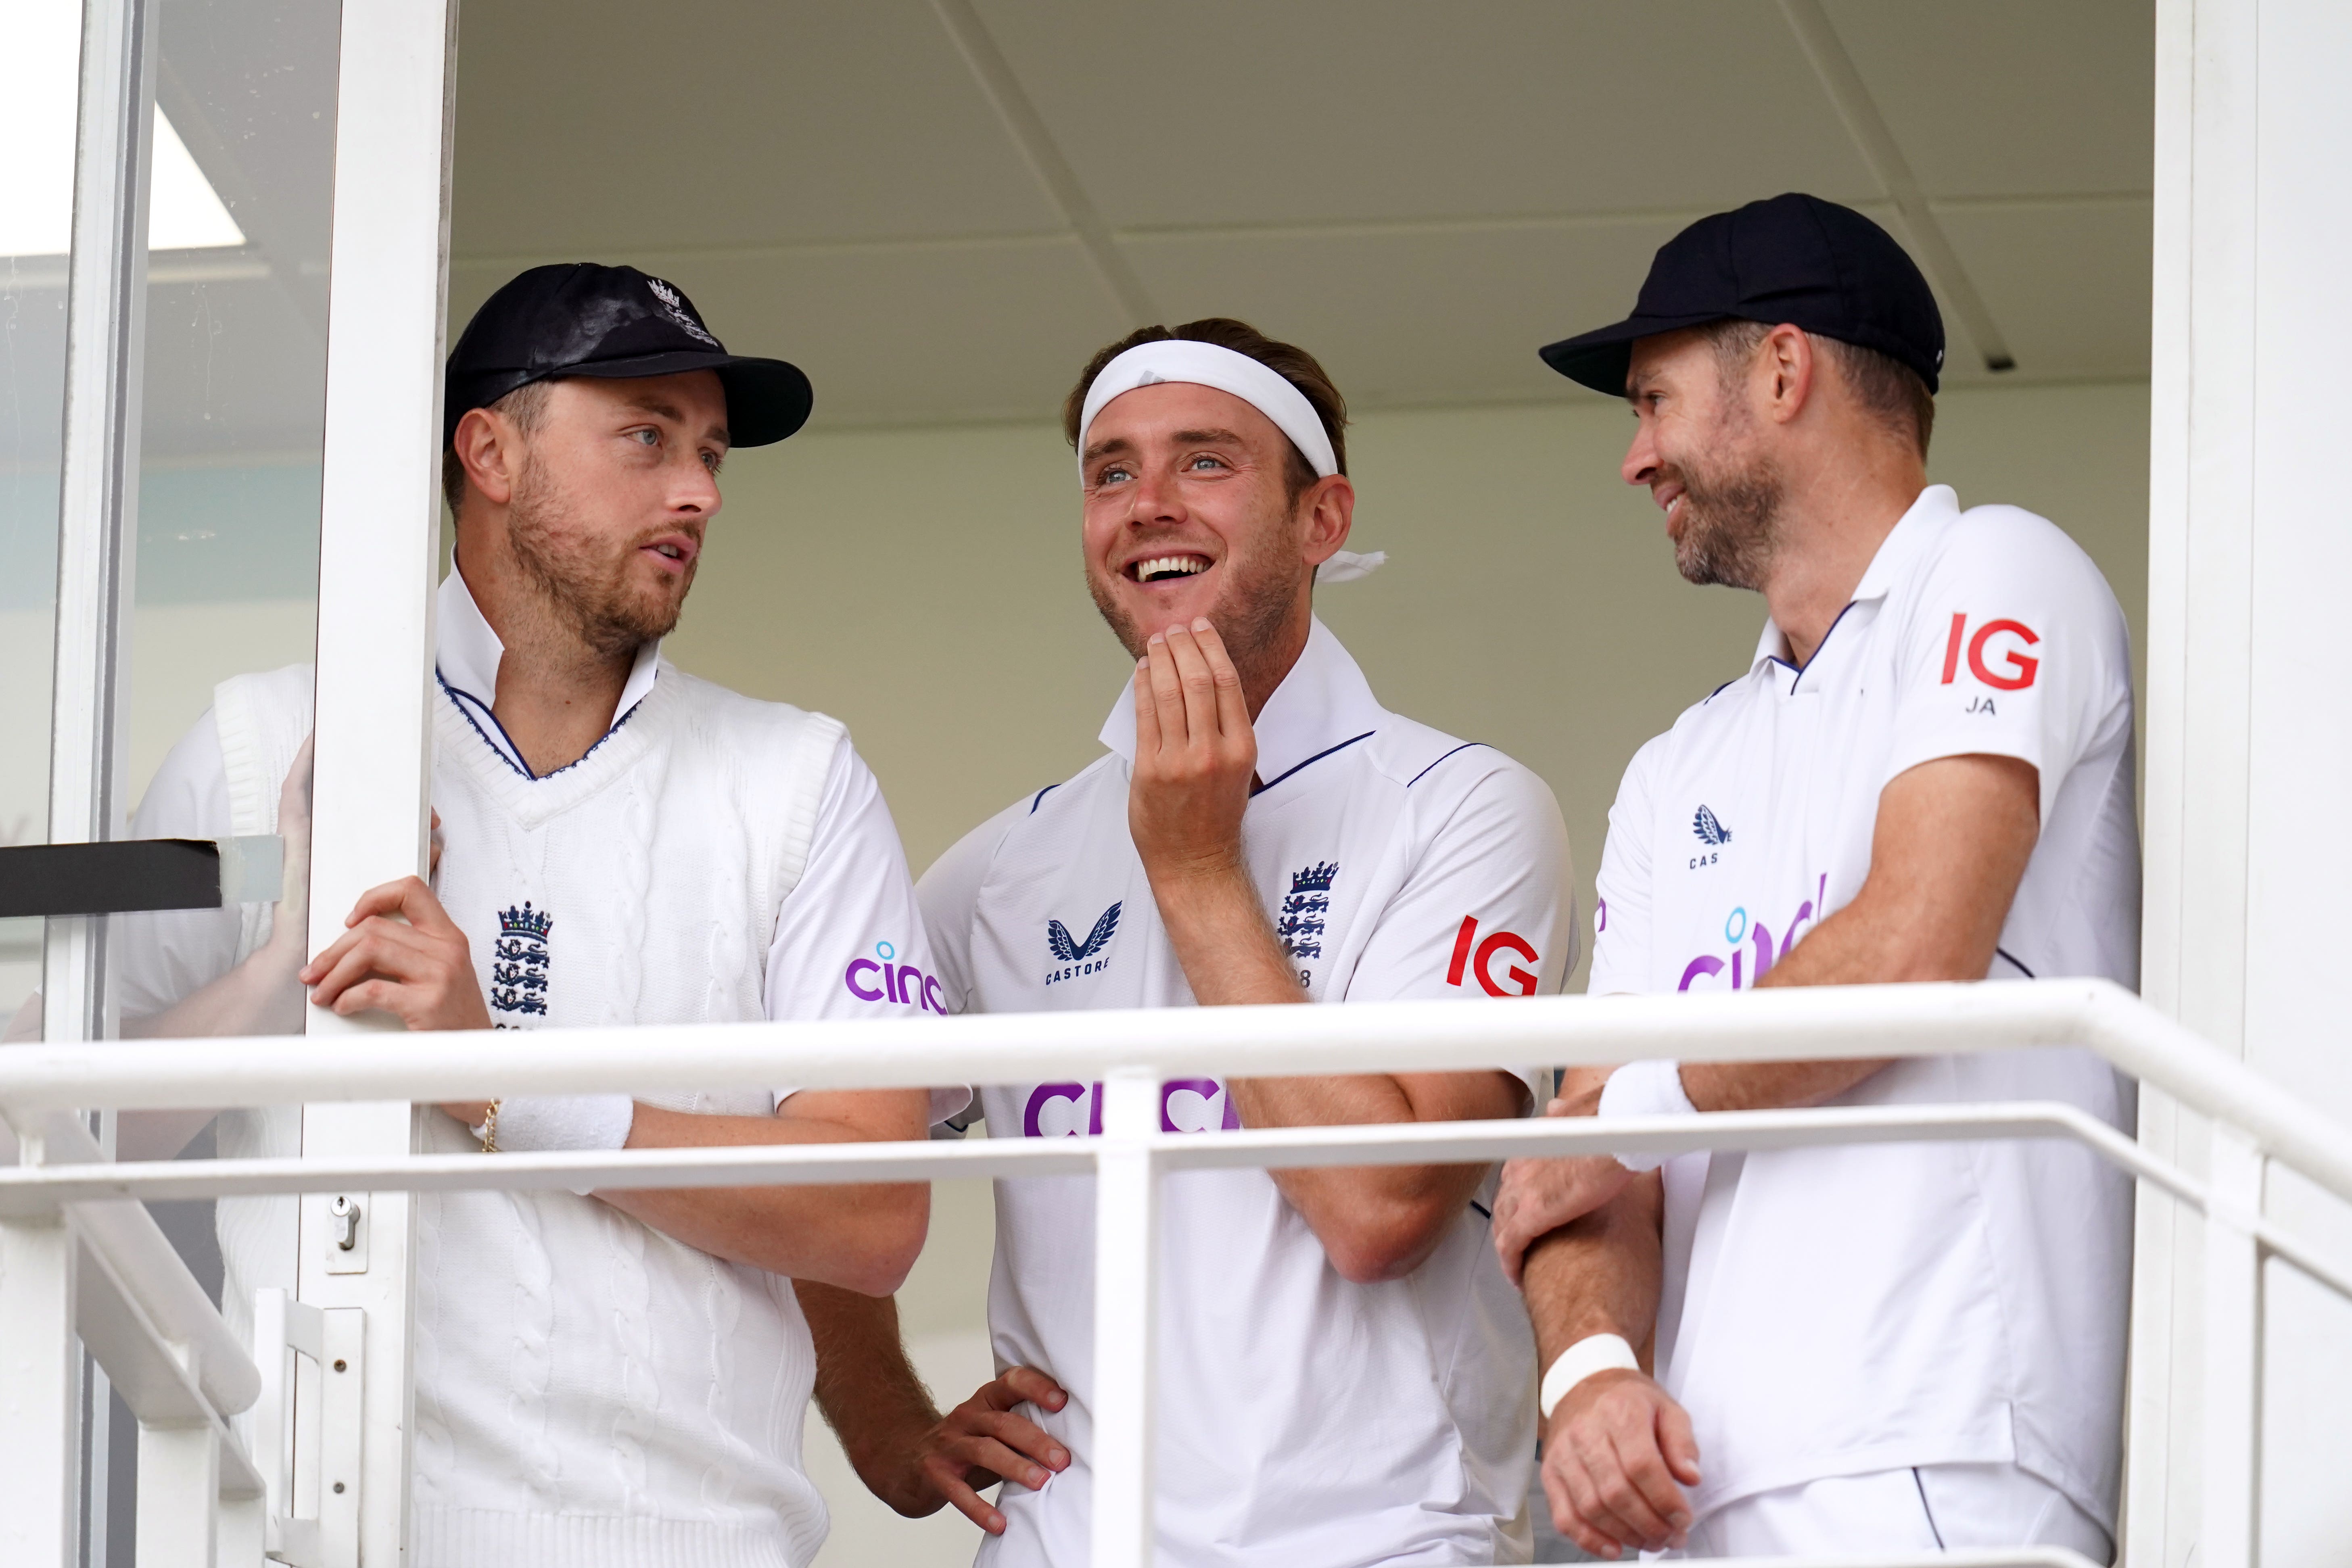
[(1729, 524), (589, 596), (1261, 593)]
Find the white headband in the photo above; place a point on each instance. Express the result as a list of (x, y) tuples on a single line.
[(1206, 364)]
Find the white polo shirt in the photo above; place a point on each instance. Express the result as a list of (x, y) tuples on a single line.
[(1836, 1311), (1303, 1420)]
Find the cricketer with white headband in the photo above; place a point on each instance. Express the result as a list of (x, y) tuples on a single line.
[(1213, 364), (1257, 829)]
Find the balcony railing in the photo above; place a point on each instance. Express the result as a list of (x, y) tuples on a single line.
[(75, 1254)]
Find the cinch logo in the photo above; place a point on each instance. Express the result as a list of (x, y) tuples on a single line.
[(1478, 960), (1076, 955), (519, 962), (1739, 933), (1072, 1109), (901, 982), (2022, 669)]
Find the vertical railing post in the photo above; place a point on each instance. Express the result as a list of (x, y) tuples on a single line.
[(39, 1392), (179, 1496), (2233, 1369), (378, 544), (1126, 1292)]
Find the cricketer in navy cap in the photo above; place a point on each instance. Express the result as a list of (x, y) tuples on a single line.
[(577, 318)]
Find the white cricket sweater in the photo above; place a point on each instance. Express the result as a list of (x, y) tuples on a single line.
[(589, 1392)]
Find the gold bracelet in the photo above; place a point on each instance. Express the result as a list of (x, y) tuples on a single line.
[(490, 1128)]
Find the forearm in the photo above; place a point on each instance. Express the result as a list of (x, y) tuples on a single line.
[(862, 1236), (869, 1393), (1223, 942), (1600, 1275), (259, 996), (1376, 1222)]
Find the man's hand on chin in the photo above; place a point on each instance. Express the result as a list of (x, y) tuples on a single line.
[(1195, 754), (1539, 1196)]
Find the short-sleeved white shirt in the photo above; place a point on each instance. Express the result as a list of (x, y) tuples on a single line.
[(1836, 1311), (1303, 1420)]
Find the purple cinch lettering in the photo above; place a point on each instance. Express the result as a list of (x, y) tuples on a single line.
[(1207, 1089), (1044, 1092), (910, 984), (849, 978), (931, 997), (1763, 951), (1704, 963)]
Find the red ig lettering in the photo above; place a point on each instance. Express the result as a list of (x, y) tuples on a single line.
[(2021, 666), (1478, 960)]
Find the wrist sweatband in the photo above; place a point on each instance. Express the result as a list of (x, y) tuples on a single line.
[(1592, 1354), (550, 1121), (1645, 1088)]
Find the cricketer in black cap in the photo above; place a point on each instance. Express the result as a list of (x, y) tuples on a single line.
[(1902, 801)]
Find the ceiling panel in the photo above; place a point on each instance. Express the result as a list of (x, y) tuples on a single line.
[(895, 334), (1419, 193), (1219, 111), (1416, 317), (2069, 283), (584, 125), (2011, 97)]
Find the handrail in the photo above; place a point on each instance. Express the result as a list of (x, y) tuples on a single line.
[(1796, 1022), (140, 1261)]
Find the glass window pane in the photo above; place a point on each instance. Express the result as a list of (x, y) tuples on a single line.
[(40, 66)]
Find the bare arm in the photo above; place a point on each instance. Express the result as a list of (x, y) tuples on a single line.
[(863, 1238), (1950, 846), (402, 953), (1617, 1449), (1195, 756), (906, 1452)]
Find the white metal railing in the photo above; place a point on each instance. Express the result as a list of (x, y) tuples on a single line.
[(1131, 1053)]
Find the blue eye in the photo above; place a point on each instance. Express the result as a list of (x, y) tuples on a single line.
[(648, 437), (1112, 476)]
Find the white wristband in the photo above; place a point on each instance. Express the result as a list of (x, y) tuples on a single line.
[(547, 1122), (1590, 1354), (1645, 1088)]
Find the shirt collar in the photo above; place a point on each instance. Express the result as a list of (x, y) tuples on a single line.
[(467, 651), (1897, 551), (1323, 702)]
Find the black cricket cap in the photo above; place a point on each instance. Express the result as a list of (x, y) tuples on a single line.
[(576, 317), (1795, 258)]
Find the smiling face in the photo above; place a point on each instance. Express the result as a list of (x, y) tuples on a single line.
[(1699, 450), (1188, 512), (611, 496)]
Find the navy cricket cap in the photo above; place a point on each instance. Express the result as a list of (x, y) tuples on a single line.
[(1795, 258), (576, 317)]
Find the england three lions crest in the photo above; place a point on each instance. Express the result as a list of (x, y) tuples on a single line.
[(1299, 922), (519, 964)]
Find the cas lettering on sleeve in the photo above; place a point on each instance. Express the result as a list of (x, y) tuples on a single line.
[(1476, 958), (2010, 668)]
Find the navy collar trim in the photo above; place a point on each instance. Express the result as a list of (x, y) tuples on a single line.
[(1256, 790), (511, 755)]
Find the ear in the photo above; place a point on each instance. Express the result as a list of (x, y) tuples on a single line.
[(1785, 362), (1328, 511), (491, 447)]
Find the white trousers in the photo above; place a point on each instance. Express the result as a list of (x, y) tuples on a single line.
[(1936, 1508)]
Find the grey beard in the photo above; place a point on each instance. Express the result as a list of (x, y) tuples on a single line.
[(591, 604), (1730, 528)]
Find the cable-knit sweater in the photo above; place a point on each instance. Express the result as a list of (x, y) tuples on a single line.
[(589, 1391)]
